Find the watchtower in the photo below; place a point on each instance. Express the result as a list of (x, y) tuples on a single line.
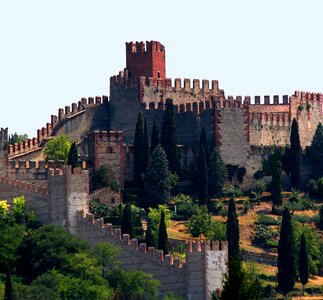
[(145, 60)]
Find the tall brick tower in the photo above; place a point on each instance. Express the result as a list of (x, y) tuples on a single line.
[(145, 60)]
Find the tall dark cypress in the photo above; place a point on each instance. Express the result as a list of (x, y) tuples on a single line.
[(145, 147), (316, 151), (168, 138), (162, 234), (217, 174), (303, 262), (203, 141), (295, 154), (155, 138), (72, 159), (127, 225), (233, 235), (150, 238), (138, 144), (202, 177), (275, 186), (8, 293), (286, 255)]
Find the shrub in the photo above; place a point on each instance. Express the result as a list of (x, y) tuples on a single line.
[(232, 191), (266, 220), (312, 187), (264, 236)]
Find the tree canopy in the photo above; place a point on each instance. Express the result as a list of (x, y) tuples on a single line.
[(58, 148)]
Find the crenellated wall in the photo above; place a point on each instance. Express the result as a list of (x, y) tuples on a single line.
[(193, 279)]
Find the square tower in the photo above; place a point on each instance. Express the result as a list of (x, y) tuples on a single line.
[(145, 60)]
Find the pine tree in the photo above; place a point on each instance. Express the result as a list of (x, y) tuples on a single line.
[(145, 147), (8, 293), (203, 141), (295, 154), (162, 234), (72, 159), (233, 235), (202, 177), (275, 186), (155, 138), (303, 262), (168, 138), (320, 222), (316, 151), (138, 144), (127, 225), (157, 180), (150, 237), (217, 174), (286, 255)]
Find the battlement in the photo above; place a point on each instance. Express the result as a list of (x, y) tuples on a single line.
[(4, 132), (141, 47), (24, 185), (51, 128), (308, 96), (104, 135), (65, 170)]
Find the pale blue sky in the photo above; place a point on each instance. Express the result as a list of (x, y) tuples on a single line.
[(55, 52)]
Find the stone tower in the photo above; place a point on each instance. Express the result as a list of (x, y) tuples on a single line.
[(145, 60)]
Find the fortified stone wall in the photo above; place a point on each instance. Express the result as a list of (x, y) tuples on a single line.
[(194, 279)]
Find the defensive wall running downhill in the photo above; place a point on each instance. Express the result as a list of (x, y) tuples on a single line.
[(193, 279), (75, 120)]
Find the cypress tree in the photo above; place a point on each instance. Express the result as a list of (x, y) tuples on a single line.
[(303, 262), (155, 138), (150, 237), (286, 255), (233, 235), (157, 180), (8, 292), (127, 225), (217, 174), (320, 222), (138, 144), (275, 186), (168, 138), (203, 141), (202, 177), (295, 154), (72, 159), (145, 147), (162, 234), (316, 151)]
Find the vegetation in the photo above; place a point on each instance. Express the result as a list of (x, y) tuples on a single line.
[(286, 255), (162, 234), (202, 176), (17, 138), (295, 154), (127, 225), (57, 148), (155, 138), (104, 178), (316, 152), (168, 138), (303, 269), (72, 159), (139, 150), (275, 186), (217, 174), (157, 180), (233, 235)]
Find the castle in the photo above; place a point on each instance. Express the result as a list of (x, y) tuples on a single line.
[(103, 128)]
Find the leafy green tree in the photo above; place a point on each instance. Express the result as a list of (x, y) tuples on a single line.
[(275, 186), (217, 174), (73, 156), (150, 238), (200, 222), (146, 152), (106, 256), (139, 150), (17, 138), (57, 148), (316, 151), (162, 234), (155, 138), (157, 180), (295, 154), (233, 234), (104, 178), (239, 284), (168, 139), (303, 262), (203, 177), (127, 225), (286, 255), (216, 231)]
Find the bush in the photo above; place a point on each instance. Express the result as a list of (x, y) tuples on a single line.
[(302, 219), (232, 191), (186, 210), (246, 206), (312, 187), (266, 220), (264, 236)]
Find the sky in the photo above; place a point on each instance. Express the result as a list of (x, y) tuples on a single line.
[(55, 52)]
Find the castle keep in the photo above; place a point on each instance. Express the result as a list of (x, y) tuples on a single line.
[(103, 128)]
